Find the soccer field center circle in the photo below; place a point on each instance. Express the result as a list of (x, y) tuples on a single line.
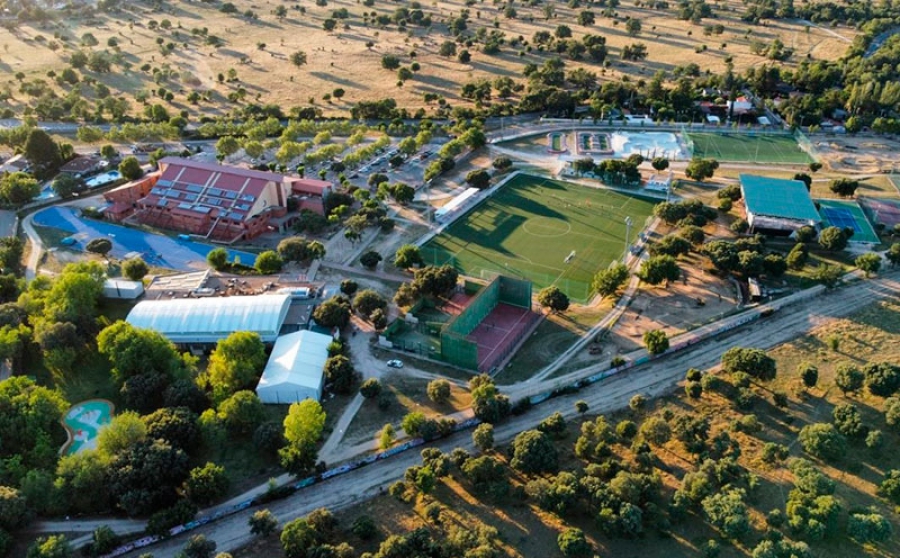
[(546, 227)]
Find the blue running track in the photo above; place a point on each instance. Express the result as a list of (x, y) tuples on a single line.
[(157, 250)]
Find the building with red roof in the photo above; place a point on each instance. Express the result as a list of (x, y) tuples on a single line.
[(224, 203)]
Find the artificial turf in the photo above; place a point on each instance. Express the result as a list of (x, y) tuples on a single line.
[(531, 225), (749, 148)]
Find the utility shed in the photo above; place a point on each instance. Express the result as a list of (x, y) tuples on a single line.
[(295, 368), (202, 321), (120, 288)]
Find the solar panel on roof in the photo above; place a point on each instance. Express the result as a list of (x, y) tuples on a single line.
[(242, 207), (162, 202), (230, 195), (248, 197), (190, 197), (201, 209), (214, 192), (212, 201), (184, 206), (194, 188), (159, 191)]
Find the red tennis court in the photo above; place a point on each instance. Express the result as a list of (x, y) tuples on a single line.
[(499, 332)]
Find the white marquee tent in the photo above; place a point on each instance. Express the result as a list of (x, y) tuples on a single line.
[(295, 368)]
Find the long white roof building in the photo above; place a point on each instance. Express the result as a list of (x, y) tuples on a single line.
[(207, 320)]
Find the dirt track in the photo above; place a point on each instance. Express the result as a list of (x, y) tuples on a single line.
[(653, 379)]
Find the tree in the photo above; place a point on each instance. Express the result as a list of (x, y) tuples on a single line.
[(386, 436), (671, 245), (572, 542), (235, 364), (176, 425), (206, 484), (554, 299), (370, 259), (609, 281), (833, 239), (848, 378), (435, 281), (268, 262), (890, 486), (262, 523), (882, 379), (774, 265), (656, 341), (754, 362), (135, 268), (303, 427), (227, 146), (809, 374), (147, 476), (367, 301), (334, 312), (64, 185), (54, 546), (293, 249), (100, 246), (659, 164), (633, 26), (868, 527), (298, 58), (478, 178), (701, 169), (483, 437), (844, 187), (656, 431), (217, 258), (242, 412), (727, 512), (869, 263), (502, 163), (371, 388), (297, 538), (130, 168), (198, 546), (659, 269), (438, 391), (823, 441), (408, 256), (340, 374), (43, 153), (14, 510), (534, 452)]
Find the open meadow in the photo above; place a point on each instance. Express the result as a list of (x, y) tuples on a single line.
[(196, 47)]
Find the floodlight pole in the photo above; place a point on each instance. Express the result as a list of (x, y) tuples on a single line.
[(627, 236)]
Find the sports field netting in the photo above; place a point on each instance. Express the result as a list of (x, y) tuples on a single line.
[(530, 229), (748, 148), (843, 214), (882, 210)]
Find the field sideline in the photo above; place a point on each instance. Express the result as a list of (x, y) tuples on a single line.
[(531, 227)]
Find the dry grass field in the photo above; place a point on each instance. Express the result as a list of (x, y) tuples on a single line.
[(525, 530), (342, 59)]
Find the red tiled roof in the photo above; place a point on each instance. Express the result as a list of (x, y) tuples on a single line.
[(80, 164), (309, 186), (213, 167)]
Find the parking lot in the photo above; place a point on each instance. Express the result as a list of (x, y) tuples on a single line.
[(156, 249)]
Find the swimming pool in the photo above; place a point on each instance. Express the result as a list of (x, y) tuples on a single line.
[(648, 144), (83, 423)]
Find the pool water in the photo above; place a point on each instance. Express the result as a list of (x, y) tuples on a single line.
[(648, 144), (83, 422)]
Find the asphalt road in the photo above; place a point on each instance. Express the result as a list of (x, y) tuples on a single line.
[(653, 379)]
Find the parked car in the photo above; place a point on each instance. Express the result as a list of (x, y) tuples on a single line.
[(395, 363)]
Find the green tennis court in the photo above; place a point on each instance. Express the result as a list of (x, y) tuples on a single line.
[(547, 231), (846, 213), (749, 148)]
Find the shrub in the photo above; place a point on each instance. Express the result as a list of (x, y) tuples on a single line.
[(822, 440), (438, 391)]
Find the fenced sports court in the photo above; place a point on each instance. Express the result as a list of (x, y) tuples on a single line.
[(844, 214), (882, 210), (747, 147), (546, 231)]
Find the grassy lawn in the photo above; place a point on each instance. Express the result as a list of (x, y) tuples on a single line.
[(404, 395), (877, 186), (530, 227), (745, 148)]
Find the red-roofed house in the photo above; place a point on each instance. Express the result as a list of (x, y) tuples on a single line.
[(221, 202)]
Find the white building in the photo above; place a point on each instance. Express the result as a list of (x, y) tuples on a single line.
[(295, 368), (204, 321), (120, 288)]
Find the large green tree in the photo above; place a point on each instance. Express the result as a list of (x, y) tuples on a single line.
[(236, 363), (659, 269), (43, 153), (18, 188), (303, 427)]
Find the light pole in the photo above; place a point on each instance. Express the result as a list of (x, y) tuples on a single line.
[(627, 236)]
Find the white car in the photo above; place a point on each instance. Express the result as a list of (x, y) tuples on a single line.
[(395, 364)]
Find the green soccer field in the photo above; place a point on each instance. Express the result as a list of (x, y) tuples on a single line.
[(745, 148), (529, 228)]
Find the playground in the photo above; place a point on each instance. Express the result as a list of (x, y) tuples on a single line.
[(83, 423), (546, 231), (748, 147)]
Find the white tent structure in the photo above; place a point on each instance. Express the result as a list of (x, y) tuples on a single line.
[(295, 368), (120, 288), (196, 321)]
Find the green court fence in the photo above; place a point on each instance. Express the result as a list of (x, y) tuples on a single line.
[(515, 292), (688, 142), (455, 348), (805, 143)]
